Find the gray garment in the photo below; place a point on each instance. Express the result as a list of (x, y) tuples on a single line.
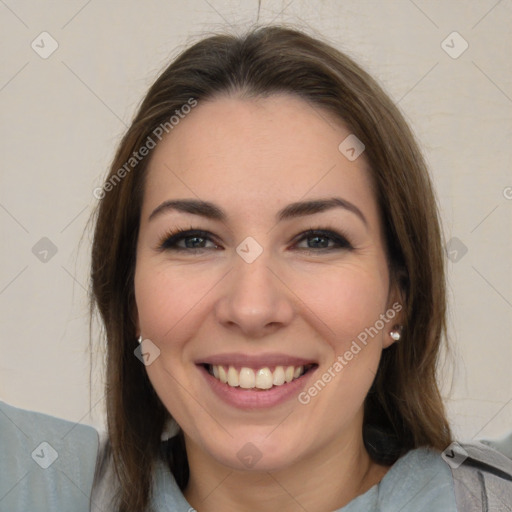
[(483, 479), (46, 464)]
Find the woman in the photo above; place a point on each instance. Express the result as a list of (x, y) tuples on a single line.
[(268, 265)]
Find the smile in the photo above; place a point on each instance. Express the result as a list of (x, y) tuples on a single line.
[(261, 378)]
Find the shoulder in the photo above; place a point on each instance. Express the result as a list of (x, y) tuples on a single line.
[(47, 463), (466, 476), (482, 473), (418, 481)]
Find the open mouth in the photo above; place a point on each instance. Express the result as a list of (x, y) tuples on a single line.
[(260, 379)]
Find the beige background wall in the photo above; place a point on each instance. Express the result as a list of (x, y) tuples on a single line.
[(62, 116)]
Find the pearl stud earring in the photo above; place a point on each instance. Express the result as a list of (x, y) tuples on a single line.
[(396, 332)]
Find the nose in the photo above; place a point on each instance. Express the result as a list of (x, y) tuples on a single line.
[(255, 300)]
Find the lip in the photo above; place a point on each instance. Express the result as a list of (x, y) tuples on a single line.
[(250, 399), (256, 361)]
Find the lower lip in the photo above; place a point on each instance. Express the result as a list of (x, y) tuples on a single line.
[(252, 399)]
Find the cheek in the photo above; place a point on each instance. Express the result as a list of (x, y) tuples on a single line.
[(166, 298), (167, 306), (345, 299), (350, 310)]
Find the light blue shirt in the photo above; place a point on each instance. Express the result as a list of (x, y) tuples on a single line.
[(420, 481), (46, 464)]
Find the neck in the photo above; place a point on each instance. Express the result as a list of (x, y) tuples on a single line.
[(324, 481)]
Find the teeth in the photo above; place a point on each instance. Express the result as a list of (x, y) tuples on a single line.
[(263, 378), (247, 379), (233, 377), (278, 377), (222, 374)]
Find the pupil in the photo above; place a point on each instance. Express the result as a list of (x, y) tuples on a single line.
[(317, 237), (192, 245)]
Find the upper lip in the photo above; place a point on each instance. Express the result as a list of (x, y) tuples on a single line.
[(255, 361)]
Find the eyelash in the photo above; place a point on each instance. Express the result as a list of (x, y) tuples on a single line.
[(170, 240)]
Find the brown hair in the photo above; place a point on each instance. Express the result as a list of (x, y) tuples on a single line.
[(404, 402)]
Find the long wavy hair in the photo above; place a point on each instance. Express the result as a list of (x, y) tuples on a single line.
[(404, 403)]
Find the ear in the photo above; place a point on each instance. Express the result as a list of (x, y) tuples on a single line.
[(395, 311)]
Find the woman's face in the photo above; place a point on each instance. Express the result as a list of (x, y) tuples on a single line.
[(255, 291)]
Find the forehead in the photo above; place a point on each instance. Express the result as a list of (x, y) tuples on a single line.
[(256, 155)]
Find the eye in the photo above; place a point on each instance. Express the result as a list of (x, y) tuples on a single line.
[(321, 238), (194, 239)]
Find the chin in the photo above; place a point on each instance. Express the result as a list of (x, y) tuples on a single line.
[(256, 452)]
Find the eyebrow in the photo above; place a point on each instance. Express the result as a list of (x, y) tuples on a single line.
[(293, 210)]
